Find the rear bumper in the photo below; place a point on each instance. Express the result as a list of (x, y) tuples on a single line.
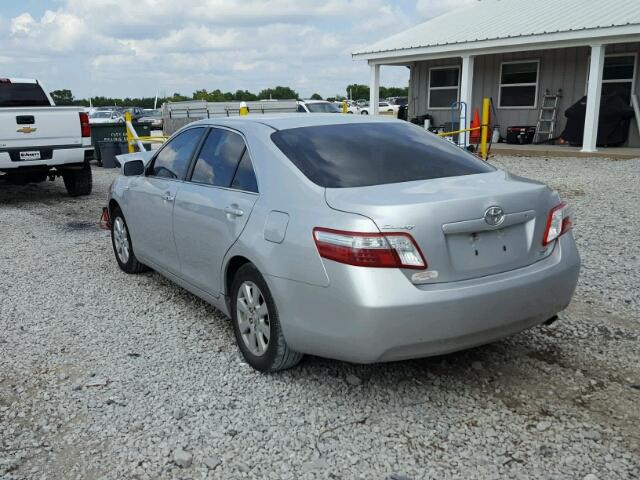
[(61, 156), (372, 315)]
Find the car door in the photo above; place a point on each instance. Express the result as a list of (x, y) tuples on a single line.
[(212, 208), (150, 200)]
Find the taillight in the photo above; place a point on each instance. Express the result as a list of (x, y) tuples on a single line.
[(382, 250), (558, 222), (84, 125)]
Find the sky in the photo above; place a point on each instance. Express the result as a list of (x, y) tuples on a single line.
[(142, 47)]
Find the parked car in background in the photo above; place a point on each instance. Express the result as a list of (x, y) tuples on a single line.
[(136, 112), (39, 141), (106, 116), (383, 107), (399, 101), (317, 106), (154, 117), (346, 237)]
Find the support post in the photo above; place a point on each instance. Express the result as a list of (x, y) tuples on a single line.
[(594, 93), (466, 94), (484, 130), (374, 89), (128, 123)]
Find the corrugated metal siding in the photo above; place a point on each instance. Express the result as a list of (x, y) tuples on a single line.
[(498, 19), (564, 68)]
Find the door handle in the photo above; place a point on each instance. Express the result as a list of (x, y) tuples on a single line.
[(168, 197), (233, 211)]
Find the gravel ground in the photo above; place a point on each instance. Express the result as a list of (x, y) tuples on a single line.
[(105, 375)]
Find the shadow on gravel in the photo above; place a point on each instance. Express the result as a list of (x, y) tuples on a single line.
[(45, 192)]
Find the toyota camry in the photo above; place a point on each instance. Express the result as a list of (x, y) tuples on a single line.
[(349, 237)]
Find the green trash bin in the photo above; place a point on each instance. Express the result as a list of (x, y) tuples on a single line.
[(114, 132)]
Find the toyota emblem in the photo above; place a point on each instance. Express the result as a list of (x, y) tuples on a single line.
[(494, 216)]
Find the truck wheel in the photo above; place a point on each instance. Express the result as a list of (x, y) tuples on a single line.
[(78, 182), (122, 248), (256, 323)]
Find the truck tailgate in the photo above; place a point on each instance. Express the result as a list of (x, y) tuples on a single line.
[(28, 127)]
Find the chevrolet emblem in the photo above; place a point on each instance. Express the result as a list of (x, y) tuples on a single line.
[(26, 130)]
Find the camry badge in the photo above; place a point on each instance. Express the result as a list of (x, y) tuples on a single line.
[(26, 130), (494, 216)]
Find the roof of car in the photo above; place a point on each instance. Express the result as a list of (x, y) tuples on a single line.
[(284, 121)]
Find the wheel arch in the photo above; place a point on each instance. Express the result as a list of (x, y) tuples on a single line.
[(113, 204), (233, 265)]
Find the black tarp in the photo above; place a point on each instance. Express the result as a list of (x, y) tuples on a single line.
[(613, 122)]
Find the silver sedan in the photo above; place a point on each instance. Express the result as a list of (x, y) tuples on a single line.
[(354, 238)]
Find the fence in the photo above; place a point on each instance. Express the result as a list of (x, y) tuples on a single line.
[(177, 114)]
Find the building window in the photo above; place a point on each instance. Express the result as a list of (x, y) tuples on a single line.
[(618, 75), (443, 87), (519, 84)]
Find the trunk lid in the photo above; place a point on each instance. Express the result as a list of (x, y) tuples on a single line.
[(28, 127), (446, 217)]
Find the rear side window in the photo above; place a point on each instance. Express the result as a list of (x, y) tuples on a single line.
[(22, 95), (173, 160), (218, 159), (245, 177), (364, 154)]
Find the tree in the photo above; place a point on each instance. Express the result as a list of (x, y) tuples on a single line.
[(316, 96), (358, 92), (62, 97), (278, 93)]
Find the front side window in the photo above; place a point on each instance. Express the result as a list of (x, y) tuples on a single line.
[(364, 154), (519, 84), (617, 76), (173, 160), (218, 159)]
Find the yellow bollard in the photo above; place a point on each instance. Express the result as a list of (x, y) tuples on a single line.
[(345, 107), (127, 119), (484, 130), (244, 110)]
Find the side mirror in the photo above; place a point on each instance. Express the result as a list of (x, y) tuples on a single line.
[(133, 168)]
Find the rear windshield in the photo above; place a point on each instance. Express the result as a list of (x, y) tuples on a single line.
[(22, 95), (364, 154), (323, 108)]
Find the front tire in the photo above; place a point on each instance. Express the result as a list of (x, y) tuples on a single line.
[(78, 182), (256, 324), (364, 112), (122, 247)]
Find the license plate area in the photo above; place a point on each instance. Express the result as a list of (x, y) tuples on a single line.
[(489, 250), (29, 155)]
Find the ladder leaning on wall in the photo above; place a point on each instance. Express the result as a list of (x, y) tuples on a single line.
[(547, 116)]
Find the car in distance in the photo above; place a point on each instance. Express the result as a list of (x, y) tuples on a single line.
[(356, 238), (383, 108), (152, 116), (40, 141), (106, 116), (317, 106)]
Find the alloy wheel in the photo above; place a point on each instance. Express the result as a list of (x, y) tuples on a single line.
[(253, 318), (121, 239)]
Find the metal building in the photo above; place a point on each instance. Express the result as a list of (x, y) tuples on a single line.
[(513, 51)]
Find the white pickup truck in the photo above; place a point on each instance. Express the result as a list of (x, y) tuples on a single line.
[(39, 140)]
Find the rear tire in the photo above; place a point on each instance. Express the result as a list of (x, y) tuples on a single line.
[(122, 247), (255, 319), (78, 182)]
